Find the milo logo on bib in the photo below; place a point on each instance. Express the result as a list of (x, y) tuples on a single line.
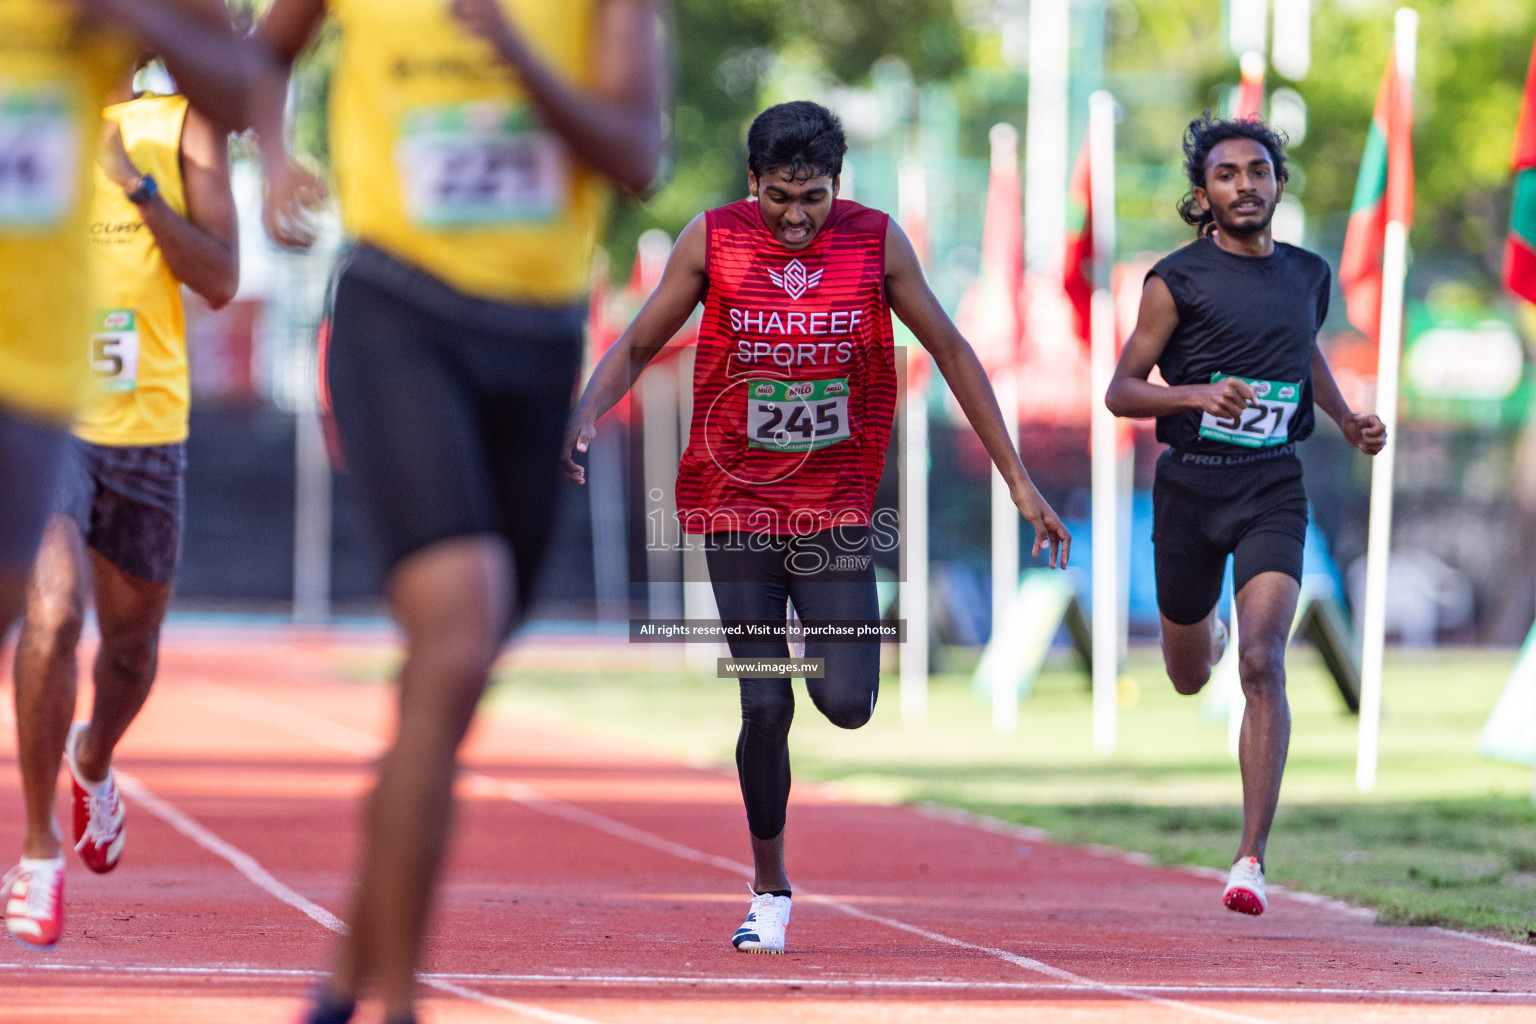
[(1266, 423), (797, 416)]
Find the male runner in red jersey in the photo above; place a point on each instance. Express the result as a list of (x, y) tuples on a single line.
[(794, 391)]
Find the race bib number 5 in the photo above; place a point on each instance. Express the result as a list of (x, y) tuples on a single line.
[(39, 148), (1264, 424), (115, 350), (480, 165), (788, 416)]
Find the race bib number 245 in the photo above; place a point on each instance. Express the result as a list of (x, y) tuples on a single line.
[(791, 416)]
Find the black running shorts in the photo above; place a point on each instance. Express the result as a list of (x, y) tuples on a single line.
[(31, 456), (128, 502), (1206, 507), (451, 409)]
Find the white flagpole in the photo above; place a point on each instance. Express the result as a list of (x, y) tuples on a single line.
[(1004, 140), (912, 201), (914, 589), (1105, 469), (1394, 271)]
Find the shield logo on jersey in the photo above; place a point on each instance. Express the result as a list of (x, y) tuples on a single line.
[(795, 279)]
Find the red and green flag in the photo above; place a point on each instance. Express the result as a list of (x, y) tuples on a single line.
[(1520, 245), (1077, 266), (1383, 193), (1248, 102)]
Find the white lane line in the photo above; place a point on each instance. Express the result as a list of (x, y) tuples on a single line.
[(235, 973), (263, 879), (298, 722), (237, 858), (1486, 940), (527, 1010)]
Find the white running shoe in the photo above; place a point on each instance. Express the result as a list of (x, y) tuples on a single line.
[(763, 930), (1245, 888), (1218, 640)]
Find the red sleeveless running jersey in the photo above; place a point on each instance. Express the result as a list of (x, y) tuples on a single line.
[(794, 380)]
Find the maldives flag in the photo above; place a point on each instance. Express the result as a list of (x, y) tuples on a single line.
[(1077, 266), (1248, 105), (1384, 192), (990, 314), (1520, 245)]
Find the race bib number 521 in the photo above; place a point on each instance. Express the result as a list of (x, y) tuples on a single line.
[(39, 148), (480, 165), (790, 416), (1264, 424)]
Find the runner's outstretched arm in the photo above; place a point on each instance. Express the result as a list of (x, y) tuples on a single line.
[(1365, 432), (201, 249), (663, 315), (282, 34), (1131, 395), (616, 127), (219, 72), (913, 301)]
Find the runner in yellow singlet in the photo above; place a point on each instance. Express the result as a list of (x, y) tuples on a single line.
[(475, 143), (58, 62), (162, 215)]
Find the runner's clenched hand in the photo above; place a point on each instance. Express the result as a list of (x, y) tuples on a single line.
[(1367, 433), (293, 193), (113, 157), (1049, 532), (577, 439), (1225, 398), (485, 19)]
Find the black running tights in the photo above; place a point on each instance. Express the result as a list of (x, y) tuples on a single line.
[(829, 576)]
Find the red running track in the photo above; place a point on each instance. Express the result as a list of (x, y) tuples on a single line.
[(594, 884)]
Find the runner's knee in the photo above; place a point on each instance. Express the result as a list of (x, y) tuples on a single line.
[(55, 620), (1262, 669), (767, 705), (134, 656), (1188, 680), (849, 710)]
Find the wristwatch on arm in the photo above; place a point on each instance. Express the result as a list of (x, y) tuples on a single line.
[(143, 191)]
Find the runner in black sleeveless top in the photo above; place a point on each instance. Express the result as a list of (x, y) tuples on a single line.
[(1231, 322)]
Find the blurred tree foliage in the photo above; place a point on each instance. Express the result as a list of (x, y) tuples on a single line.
[(726, 52), (1472, 58), (1166, 57)]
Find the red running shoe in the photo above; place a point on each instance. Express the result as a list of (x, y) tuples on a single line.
[(99, 831), (34, 902)]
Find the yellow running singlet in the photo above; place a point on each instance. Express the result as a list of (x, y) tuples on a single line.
[(54, 79), (440, 158), (137, 340)]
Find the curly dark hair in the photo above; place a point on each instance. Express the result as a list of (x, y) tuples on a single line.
[(1204, 134), (802, 138)]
